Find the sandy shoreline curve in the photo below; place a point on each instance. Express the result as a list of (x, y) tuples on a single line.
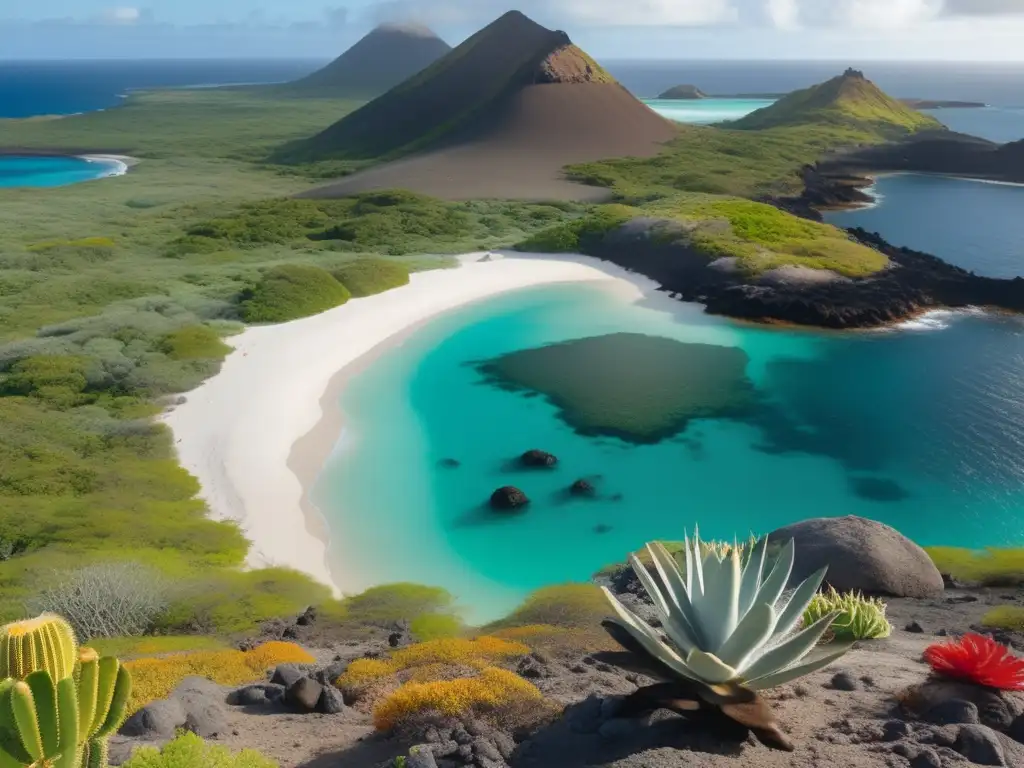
[(119, 163), (257, 434)]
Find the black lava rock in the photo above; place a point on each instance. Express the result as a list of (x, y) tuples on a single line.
[(843, 681), (535, 459), (331, 701), (583, 489), (286, 675), (449, 463), (914, 627), (509, 499), (304, 695), (954, 712), (602, 529), (980, 745), (307, 618)]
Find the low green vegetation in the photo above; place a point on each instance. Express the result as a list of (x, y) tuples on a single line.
[(370, 276), (849, 101), (759, 236), (127, 648), (190, 751), (1009, 617), (860, 618), (990, 567), (291, 291)]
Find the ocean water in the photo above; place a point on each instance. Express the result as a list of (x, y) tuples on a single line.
[(975, 225), (1000, 124), (920, 427), (33, 171), (705, 111), (30, 88)]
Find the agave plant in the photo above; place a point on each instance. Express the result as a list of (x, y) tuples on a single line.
[(727, 631)]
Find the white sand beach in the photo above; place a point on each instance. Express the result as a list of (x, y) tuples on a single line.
[(119, 164), (256, 434)]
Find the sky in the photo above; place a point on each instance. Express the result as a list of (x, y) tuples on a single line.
[(971, 30)]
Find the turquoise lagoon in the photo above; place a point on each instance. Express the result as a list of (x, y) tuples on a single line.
[(921, 427), (47, 171), (974, 224), (705, 111)]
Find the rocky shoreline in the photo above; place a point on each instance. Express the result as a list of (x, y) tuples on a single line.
[(915, 282)]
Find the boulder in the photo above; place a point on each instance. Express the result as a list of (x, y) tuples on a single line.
[(535, 459), (203, 702), (286, 675), (861, 555), (256, 695), (509, 499), (304, 695), (156, 721), (331, 701)]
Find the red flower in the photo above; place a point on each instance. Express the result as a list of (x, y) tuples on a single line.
[(978, 659)]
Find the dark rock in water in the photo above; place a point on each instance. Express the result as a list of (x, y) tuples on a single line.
[(538, 459), (583, 488), (602, 529), (861, 555), (878, 489), (509, 499), (638, 388), (449, 463), (304, 695)]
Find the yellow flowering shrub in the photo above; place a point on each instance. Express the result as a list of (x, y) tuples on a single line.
[(452, 651), (154, 679), (493, 690)]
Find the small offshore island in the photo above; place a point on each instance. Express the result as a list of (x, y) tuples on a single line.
[(265, 386)]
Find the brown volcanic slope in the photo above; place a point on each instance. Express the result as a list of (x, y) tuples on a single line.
[(382, 59), (498, 117)]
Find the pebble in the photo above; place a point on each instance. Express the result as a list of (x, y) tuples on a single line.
[(980, 745), (914, 627), (843, 681), (954, 712)]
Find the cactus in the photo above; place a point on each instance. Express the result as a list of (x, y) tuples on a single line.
[(43, 643), (67, 724), (103, 690), (42, 726)]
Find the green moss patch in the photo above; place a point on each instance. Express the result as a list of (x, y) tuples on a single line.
[(990, 567), (1009, 617), (194, 342)]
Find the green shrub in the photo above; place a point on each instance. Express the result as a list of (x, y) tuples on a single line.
[(581, 234), (1004, 617), (388, 603), (194, 342), (237, 601), (291, 291), (990, 567), (431, 626), (860, 618), (565, 605), (127, 648), (57, 380), (190, 751), (368, 276)]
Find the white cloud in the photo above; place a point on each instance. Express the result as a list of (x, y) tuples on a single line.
[(784, 14), (598, 13), (675, 13), (123, 15)]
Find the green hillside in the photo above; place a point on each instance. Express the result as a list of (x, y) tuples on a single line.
[(454, 92), (848, 101)]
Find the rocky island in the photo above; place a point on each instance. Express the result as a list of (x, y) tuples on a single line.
[(683, 92)]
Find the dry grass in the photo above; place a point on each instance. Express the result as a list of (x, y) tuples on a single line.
[(156, 678), (486, 695)]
